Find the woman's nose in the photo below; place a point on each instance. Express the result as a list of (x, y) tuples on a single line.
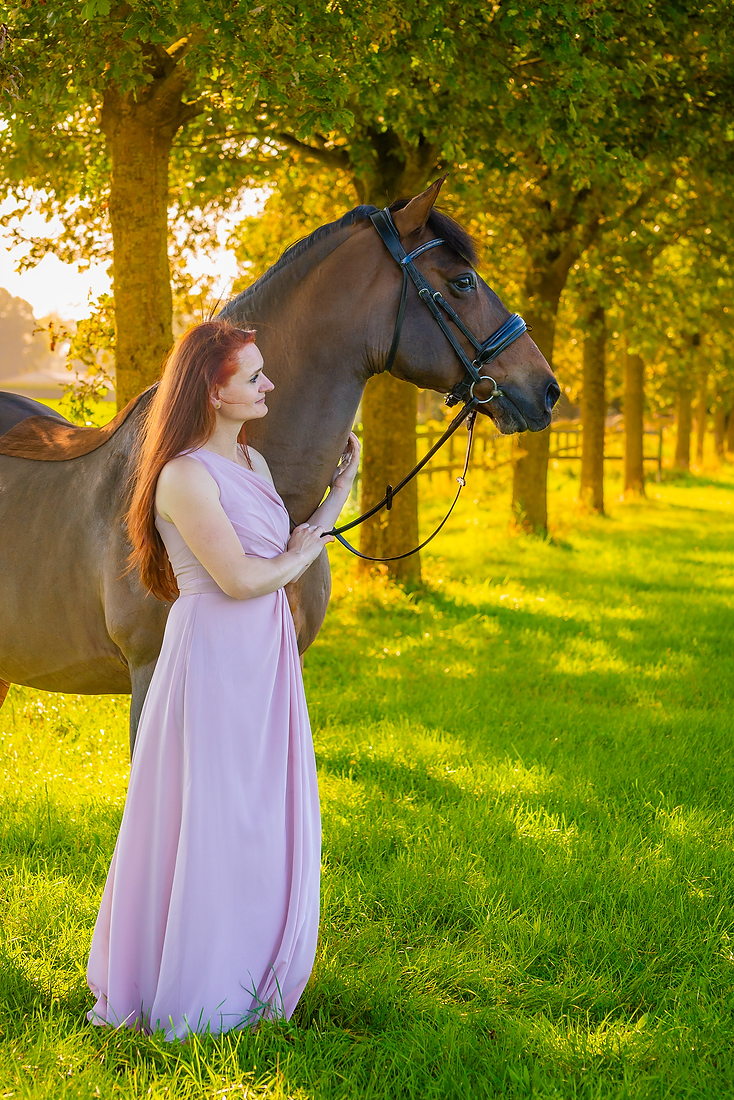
[(267, 385)]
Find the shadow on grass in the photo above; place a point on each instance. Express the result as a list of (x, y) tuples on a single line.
[(686, 479)]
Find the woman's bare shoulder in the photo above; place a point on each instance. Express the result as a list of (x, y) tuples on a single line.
[(182, 477), (259, 464), (181, 470)]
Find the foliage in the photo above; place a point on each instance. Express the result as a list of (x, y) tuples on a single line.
[(664, 277), (303, 199), (231, 54), (526, 778), (571, 130), (89, 347), (9, 73)]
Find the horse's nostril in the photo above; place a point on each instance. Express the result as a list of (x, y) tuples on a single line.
[(552, 393)]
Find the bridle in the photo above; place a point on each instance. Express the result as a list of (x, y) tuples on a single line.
[(505, 335), (486, 352)]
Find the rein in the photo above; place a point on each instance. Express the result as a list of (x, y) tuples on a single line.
[(468, 413), (486, 350)]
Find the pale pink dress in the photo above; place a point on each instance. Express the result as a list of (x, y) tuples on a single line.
[(210, 912)]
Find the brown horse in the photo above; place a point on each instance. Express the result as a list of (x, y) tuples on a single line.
[(71, 618)]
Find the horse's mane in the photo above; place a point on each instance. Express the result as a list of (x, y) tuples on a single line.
[(442, 225), (305, 244)]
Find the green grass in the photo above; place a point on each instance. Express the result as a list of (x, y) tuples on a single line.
[(527, 790)]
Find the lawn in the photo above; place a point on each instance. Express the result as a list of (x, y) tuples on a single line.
[(526, 778)]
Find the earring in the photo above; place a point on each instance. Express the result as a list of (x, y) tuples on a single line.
[(217, 404)]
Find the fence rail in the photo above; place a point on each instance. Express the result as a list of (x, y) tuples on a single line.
[(566, 444), (492, 450)]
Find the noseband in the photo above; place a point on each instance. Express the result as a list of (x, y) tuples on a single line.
[(505, 335), (486, 352)]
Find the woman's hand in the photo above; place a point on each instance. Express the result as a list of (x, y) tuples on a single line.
[(346, 471), (308, 541), (328, 511)]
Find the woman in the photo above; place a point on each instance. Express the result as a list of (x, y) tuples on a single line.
[(209, 916)]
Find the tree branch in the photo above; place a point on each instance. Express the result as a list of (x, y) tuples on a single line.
[(333, 158)]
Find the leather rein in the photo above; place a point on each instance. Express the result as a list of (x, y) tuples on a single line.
[(486, 352)]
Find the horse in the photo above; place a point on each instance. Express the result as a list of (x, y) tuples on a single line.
[(72, 618)]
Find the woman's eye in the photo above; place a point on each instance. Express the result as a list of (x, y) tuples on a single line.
[(254, 377), (464, 282)]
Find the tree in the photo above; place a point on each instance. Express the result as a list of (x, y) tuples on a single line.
[(452, 84), (658, 274), (413, 107), (280, 77), (563, 117), (590, 141), (634, 424), (146, 72), (593, 404), (684, 423)]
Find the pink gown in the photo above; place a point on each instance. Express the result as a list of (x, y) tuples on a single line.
[(209, 916)]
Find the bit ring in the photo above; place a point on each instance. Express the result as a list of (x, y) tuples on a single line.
[(497, 392)]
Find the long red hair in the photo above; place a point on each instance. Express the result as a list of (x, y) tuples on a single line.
[(180, 418)]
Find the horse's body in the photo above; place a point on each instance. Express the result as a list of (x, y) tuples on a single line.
[(71, 618)]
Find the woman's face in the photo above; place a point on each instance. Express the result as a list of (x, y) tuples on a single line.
[(243, 396)]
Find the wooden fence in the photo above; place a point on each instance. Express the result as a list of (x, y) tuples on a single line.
[(492, 450), (566, 444)]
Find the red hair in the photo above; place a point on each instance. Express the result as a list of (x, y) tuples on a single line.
[(180, 418)]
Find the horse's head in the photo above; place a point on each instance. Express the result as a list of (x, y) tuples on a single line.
[(424, 356)]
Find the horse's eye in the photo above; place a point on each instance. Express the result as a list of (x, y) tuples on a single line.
[(464, 282)]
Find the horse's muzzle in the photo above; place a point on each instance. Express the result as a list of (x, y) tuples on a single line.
[(514, 411)]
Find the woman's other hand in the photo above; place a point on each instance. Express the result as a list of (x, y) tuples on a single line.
[(308, 541), (346, 471)]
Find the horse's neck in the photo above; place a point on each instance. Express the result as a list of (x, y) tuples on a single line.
[(318, 386)]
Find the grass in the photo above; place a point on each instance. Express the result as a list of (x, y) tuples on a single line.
[(527, 786)]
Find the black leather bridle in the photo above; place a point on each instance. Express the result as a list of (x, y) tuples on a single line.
[(486, 350), (505, 335)]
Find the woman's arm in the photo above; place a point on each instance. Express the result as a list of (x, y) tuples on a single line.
[(329, 510), (188, 496)]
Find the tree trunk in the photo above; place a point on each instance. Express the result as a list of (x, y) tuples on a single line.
[(683, 429), (593, 406), (701, 410), (389, 406), (139, 127), (720, 426), (634, 425), (389, 410), (557, 227), (530, 477), (390, 167), (730, 433)]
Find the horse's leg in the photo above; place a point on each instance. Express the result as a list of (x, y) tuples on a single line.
[(4, 688), (140, 678)]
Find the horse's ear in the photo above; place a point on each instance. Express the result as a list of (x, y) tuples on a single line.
[(415, 215)]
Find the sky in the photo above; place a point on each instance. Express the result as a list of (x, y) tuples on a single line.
[(55, 287)]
